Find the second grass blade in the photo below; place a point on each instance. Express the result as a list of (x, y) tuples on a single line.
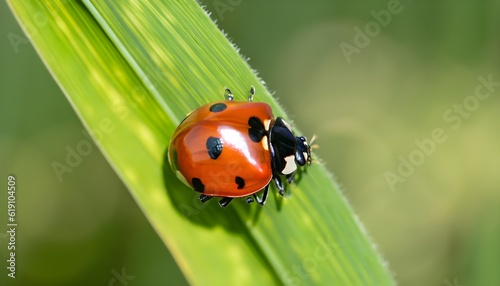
[(189, 47)]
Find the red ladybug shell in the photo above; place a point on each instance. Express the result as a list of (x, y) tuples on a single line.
[(214, 151)]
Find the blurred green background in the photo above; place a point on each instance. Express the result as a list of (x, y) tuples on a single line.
[(396, 81)]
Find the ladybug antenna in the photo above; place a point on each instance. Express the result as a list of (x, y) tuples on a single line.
[(252, 92), (311, 145), (228, 94)]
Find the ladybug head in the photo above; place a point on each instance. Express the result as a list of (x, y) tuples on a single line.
[(303, 152), (287, 150)]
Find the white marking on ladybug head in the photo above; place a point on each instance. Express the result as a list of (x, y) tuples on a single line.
[(290, 165), (265, 143), (267, 123)]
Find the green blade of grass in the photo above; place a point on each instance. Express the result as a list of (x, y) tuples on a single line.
[(132, 70)]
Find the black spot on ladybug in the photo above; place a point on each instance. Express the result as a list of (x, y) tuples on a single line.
[(256, 130), (218, 107), (240, 182), (214, 147), (198, 185)]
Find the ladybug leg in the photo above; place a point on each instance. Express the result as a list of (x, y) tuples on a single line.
[(279, 185), (252, 92), (249, 200), (225, 201), (290, 177), (262, 201), (204, 198), (228, 94)]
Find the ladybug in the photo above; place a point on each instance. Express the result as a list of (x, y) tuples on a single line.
[(233, 149)]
